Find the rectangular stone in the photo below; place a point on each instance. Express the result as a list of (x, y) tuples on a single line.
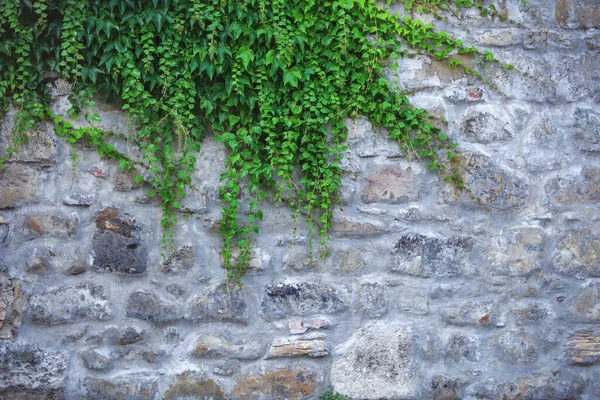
[(584, 348)]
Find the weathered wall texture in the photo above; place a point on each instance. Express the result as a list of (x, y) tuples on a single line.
[(426, 295)]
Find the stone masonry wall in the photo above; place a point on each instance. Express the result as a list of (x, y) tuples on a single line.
[(427, 294)]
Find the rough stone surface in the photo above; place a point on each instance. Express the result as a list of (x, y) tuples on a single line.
[(586, 305), (518, 251), (373, 300), (19, 185), (147, 306), (189, 385), (584, 348), (480, 314), (35, 226), (443, 388), (483, 124), (578, 253), (587, 127), (575, 190), (391, 186), (286, 299), (117, 246), (31, 373), (211, 346), (423, 256), (95, 361), (280, 384), (70, 304), (124, 387), (11, 307), (491, 185), (220, 302), (312, 345), (534, 387), (376, 363)]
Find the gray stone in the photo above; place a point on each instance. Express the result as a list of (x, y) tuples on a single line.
[(182, 259), (465, 94), (312, 345), (537, 386), (410, 300), (583, 348), (376, 363), (227, 367), (176, 290), (77, 199), (372, 300), (117, 245), (578, 253), (41, 146), (124, 181), (36, 226), (288, 299), (491, 185), (569, 190), (212, 346), (481, 314), (11, 306), (485, 124), (427, 256), (393, 187), (19, 185), (77, 268), (220, 302), (68, 304), (535, 39), (587, 128), (517, 252), (517, 346), (534, 312), (95, 361), (586, 305), (131, 335), (126, 387), (147, 306), (582, 76), (461, 348), (29, 373), (444, 388)]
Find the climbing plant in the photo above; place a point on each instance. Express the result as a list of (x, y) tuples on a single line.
[(271, 79)]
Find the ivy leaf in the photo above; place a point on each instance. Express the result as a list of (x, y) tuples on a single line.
[(246, 55), (291, 76)]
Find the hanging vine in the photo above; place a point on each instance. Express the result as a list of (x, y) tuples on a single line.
[(271, 79)]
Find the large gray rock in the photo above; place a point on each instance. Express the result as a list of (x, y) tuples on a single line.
[(128, 387), (426, 256), (288, 299), (372, 300), (376, 363), (587, 127), (570, 190), (41, 146), (538, 386), (578, 253), (485, 124), (147, 306), (220, 302), (11, 306), (117, 244), (70, 304), (212, 346), (29, 373)]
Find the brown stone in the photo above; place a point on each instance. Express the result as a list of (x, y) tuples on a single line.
[(562, 12), (41, 141), (18, 184), (392, 186), (279, 384), (584, 348), (350, 227), (109, 219), (191, 386), (211, 346), (588, 14), (50, 225), (125, 181), (312, 346)]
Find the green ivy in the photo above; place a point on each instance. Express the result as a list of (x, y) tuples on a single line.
[(273, 80)]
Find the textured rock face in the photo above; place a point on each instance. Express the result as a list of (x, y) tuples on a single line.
[(279, 384), (311, 345), (194, 386), (391, 186), (11, 307), (584, 348), (117, 246), (375, 363), (126, 387), (30, 373), (286, 299), (70, 304), (218, 347), (220, 302), (19, 185)]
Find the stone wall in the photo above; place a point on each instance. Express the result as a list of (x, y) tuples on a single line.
[(427, 294)]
